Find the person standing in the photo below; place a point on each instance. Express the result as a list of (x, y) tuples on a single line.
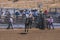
[(50, 22), (10, 23), (30, 20), (40, 21), (27, 25), (17, 15)]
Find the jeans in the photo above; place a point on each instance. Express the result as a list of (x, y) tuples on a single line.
[(10, 25), (50, 25)]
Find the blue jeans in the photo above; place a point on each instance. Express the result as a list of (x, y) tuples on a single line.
[(49, 25)]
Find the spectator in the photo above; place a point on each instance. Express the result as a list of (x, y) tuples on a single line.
[(17, 13), (45, 12), (8, 14)]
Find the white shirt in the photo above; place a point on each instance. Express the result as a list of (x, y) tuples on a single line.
[(3, 14), (27, 15), (11, 20), (50, 19)]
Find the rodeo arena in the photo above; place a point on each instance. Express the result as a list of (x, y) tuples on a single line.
[(29, 20)]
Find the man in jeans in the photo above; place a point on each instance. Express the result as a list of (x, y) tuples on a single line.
[(27, 23), (30, 20), (50, 22), (10, 23)]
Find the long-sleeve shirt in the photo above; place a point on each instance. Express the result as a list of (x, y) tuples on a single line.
[(50, 20)]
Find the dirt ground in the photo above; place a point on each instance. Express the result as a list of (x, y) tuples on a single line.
[(33, 34)]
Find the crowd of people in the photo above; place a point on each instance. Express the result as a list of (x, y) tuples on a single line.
[(33, 16)]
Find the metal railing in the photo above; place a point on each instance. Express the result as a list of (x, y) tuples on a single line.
[(18, 21)]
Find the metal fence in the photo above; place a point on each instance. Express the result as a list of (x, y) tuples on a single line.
[(55, 12), (12, 12)]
